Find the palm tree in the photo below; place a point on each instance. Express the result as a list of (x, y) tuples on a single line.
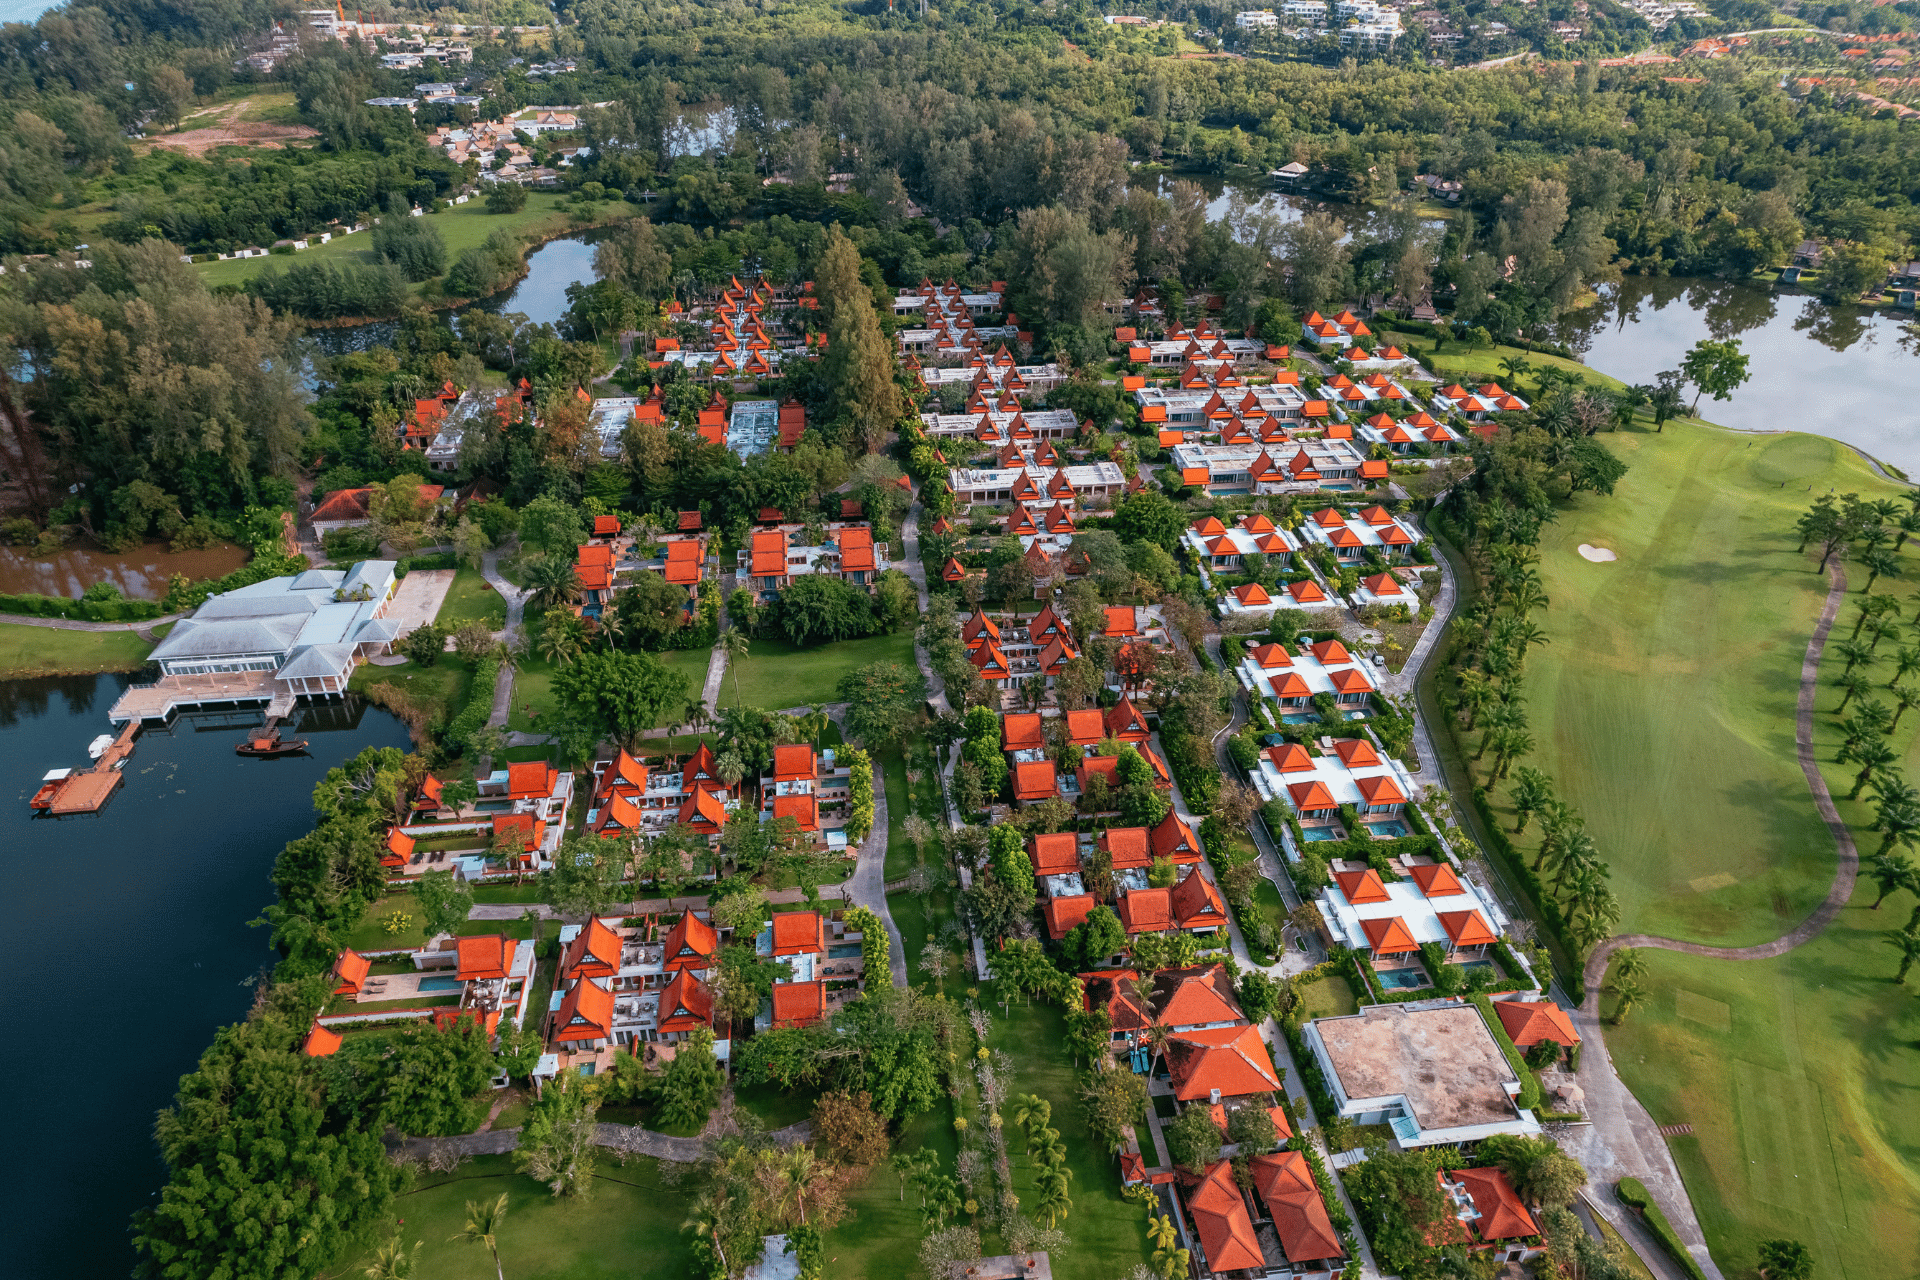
[(1513, 367), (392, 1262), (1879, 561), (1897, 817), (1628, 992), (1474, 695), (1863, 610), (708, 1217), (1515, 743), (1908, 523), (1054, 1201), (1557, 819), (1596, 915), (1881, 629), (1161, 1231), (483, 1227), (609, 626), (1629, 963), (551, 583), (1854, 683), (1531, 789), (1905, 695), (1157, 1037), (1873, 756), (1891, 872), (734, 643), (1171, 1262), (1854, 652), (561, 645), (1046, 1148), (1908, 945), (1576, 850), (1031, 1112), (799, 1171)]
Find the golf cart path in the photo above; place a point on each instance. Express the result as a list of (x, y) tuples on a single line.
[(1624, 1140)]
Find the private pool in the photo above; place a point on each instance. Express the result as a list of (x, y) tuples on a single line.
[(1388, 830), (440, 984), (1402, 979), (1300, 717), (843, 951), (1314, 835), (1337, 488)]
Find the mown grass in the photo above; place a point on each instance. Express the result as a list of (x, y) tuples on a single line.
[(469, 598), (1664, 710), (776, 676), (45, 651)]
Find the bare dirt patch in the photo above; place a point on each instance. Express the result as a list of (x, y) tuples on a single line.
[(226, 129)]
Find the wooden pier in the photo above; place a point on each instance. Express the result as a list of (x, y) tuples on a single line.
[(63, 794), (170, 694)]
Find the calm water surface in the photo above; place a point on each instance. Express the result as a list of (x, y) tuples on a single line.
[(1843, 372), (141, 574), (125, 937)]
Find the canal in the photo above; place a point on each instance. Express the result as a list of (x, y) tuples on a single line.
[(126, 938)]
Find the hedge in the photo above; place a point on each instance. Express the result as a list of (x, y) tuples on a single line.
[(473, 717), (1529, 1083), (1633, 1194), (111, 610), (1544, 907)]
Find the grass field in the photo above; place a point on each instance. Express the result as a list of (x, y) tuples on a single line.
[(439, 690), (776, 676), (630, 1225), (46, 651), (1479, 364), (463, 226), (1664, 708), (468, 598), (533, 682)]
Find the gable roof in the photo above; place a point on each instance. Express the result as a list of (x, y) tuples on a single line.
[(1085, 728), (351, 970), (1190, 997), (489, 955), (1062, 914), (321, 1042), (1220, 1219), (798, 933), (1285, 1183), (531, 779), (1034, 780), (1125, 722), (702, 811), (1528, 1022), (1502, 1215), (594, 952), (686, 1003), (585, 1014), (1127, 846), (801, 808), (1389, 936), (1233, 1060), (798, 1004), (1056, 854), (1172, 838), (1146, 910), (691, 943), (1196, 902)]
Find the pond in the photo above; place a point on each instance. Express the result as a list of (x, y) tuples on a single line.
[(541, 296), (141, 574), (1843, 372), (1262, 198), (126, 934)]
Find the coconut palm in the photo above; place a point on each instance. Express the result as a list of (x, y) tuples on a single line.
[(1513, 367), (551, 583), (1855, 684), (1557, 820), (392, 1262), (1854, 652), (1531, 789), (1031, 1112), (610, 627), (1054, 1203), (483, 1227), (707, 1219), (1514, 743), (1474, 694), (1628, 992), (1576, 850), (734, 643), (800, 1172), (561, 644), (1161, 1231), (1904, 696), (1896, 815), (1046, 1148), (1908, 523), (1629, 963), (1908, 945), (1595, 916), (1869, 718), (1881, 629), (1880, 562), (1891, 872), (1872, 755)]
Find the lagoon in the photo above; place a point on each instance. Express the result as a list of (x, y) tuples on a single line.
[(126, 938)]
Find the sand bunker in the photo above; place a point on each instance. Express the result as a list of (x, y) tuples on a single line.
[(1599, 555)]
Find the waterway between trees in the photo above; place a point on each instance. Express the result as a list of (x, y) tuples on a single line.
[(124, 937)]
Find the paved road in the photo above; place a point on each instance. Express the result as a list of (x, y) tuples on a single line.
[(1624, 1140), (868, 885), (143, 628)]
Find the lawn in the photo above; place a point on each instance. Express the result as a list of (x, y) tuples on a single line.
[(438, 691), (533, 696), (470, 597), (461, 226), (1663, 706), (630, 1225), (1329, 997), (777, 676), (900, 855), (1460, 363), (45, 651)]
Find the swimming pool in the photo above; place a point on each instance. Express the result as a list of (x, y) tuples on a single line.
[(1402, 979), (1300, 717), (1313, 835), (843, 951), (1388, 830), (440, 984)]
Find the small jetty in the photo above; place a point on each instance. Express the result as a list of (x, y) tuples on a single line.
[(64, 792)]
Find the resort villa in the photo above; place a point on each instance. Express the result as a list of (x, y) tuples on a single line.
[(1292, 678)]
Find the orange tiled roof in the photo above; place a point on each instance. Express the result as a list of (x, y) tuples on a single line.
[(1191, 997), (483, 957), (1309, 797), (794, 762), (1356, 753), (1035, 781), (1220, 1219), (1528, 1022), (1436, 879), (351, 970), (1147, 910), (594, 952), (1055, 854), (1285, 1183), (1389, 936), (321, 1042), (1290, 757), (1362, 887), (1502, 1214), (1062, 914), (686, 1004), (1174, 839), (531, 779), (691, 943), (798, 933), (1306, 591), (1127, 846), (801, 808), (798, 1004), (586, 1013), (1466, 929), (1233, 1060), (1381, 789), (1196, 903), (1022, 731)]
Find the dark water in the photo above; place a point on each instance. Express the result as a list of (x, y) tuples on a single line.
[(1844, 372), (124, 936), (141, 574), (541, 296)]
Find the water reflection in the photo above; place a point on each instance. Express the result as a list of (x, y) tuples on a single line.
[(1843, 372), (141, 574), (30, 699)]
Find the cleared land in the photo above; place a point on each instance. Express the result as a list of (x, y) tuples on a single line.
[(1664, 708)]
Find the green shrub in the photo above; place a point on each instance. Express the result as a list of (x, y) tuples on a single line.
[(1633, 1194)]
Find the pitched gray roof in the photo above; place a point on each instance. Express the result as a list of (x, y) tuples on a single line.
[(317, 660)]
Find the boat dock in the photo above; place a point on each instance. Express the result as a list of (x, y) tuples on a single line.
[(65, 792), (171, 694)]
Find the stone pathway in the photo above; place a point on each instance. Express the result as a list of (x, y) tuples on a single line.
[(628, 1139), (516, 610), (143, 628), (868, 885)]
